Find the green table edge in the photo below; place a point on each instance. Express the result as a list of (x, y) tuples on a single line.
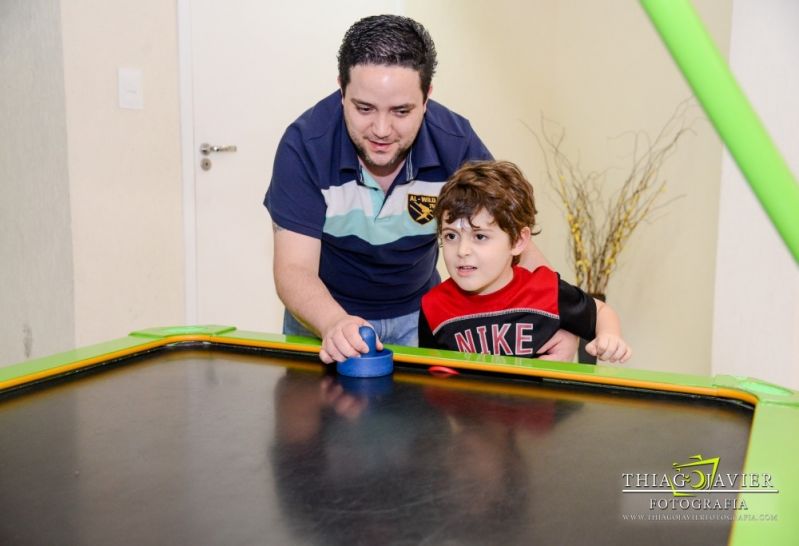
[(773, 445), (764, 392)]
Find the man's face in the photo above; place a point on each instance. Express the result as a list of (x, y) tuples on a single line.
[(383, 111)]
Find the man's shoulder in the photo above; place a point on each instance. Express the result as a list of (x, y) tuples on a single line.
[(439, 117), (319, 119)]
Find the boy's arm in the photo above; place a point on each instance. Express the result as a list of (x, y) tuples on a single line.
[(563, 345), (608, 344)]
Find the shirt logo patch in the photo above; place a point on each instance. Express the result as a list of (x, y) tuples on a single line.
[(421, 207)]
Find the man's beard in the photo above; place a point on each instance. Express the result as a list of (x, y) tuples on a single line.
[(398, 158)]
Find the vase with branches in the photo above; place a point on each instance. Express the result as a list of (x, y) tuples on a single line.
[(601, 222)]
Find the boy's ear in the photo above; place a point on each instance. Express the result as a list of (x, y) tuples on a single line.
[(521, 243)]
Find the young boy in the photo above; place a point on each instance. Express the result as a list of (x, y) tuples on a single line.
[(486, 216)]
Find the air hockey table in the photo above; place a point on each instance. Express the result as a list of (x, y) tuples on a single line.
[(212, 435)]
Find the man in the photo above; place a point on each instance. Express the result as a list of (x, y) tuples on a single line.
[(353, 187)]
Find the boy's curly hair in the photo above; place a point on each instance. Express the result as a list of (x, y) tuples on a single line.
[(499, 187)]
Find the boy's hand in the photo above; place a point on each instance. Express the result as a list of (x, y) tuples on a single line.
[(610, 348)]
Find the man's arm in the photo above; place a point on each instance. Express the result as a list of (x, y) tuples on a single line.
[(296, 270), (531, 257)]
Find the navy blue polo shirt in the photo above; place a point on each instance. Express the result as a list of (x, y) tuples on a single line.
[(378, 251)]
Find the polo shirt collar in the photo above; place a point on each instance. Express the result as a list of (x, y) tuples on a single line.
[(348, 157), (423, 152)]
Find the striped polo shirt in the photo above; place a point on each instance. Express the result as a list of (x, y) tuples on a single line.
[(378, 249)]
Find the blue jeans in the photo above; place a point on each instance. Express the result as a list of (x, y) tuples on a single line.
[(396, 331)]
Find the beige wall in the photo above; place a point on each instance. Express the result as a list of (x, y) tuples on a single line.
[(600, 70), (92, 243), (756, 326), (36, 294), (124, 167)]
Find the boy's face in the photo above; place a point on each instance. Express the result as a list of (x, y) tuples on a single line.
[(479, 256)]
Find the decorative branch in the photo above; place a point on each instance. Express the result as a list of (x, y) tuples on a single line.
[(600, 227)]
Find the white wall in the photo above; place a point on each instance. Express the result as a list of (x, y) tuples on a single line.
[(756, 320), (36, 291), (246, 86)]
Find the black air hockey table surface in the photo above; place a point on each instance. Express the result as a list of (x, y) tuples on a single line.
[(211, 435)]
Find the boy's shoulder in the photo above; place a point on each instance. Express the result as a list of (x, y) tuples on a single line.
[(526, 284), (542, 276), (541, 273), (442, 289), (530, 290)]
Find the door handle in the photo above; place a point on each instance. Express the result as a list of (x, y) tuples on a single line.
[(206, 148)]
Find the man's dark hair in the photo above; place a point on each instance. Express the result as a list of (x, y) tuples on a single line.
[(388, 40)]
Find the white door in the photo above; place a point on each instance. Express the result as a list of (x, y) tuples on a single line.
[(254, 67)]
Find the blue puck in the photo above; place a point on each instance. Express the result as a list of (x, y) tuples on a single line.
[(371, 364)]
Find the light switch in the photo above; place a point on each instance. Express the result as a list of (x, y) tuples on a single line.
[(131, 95)]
